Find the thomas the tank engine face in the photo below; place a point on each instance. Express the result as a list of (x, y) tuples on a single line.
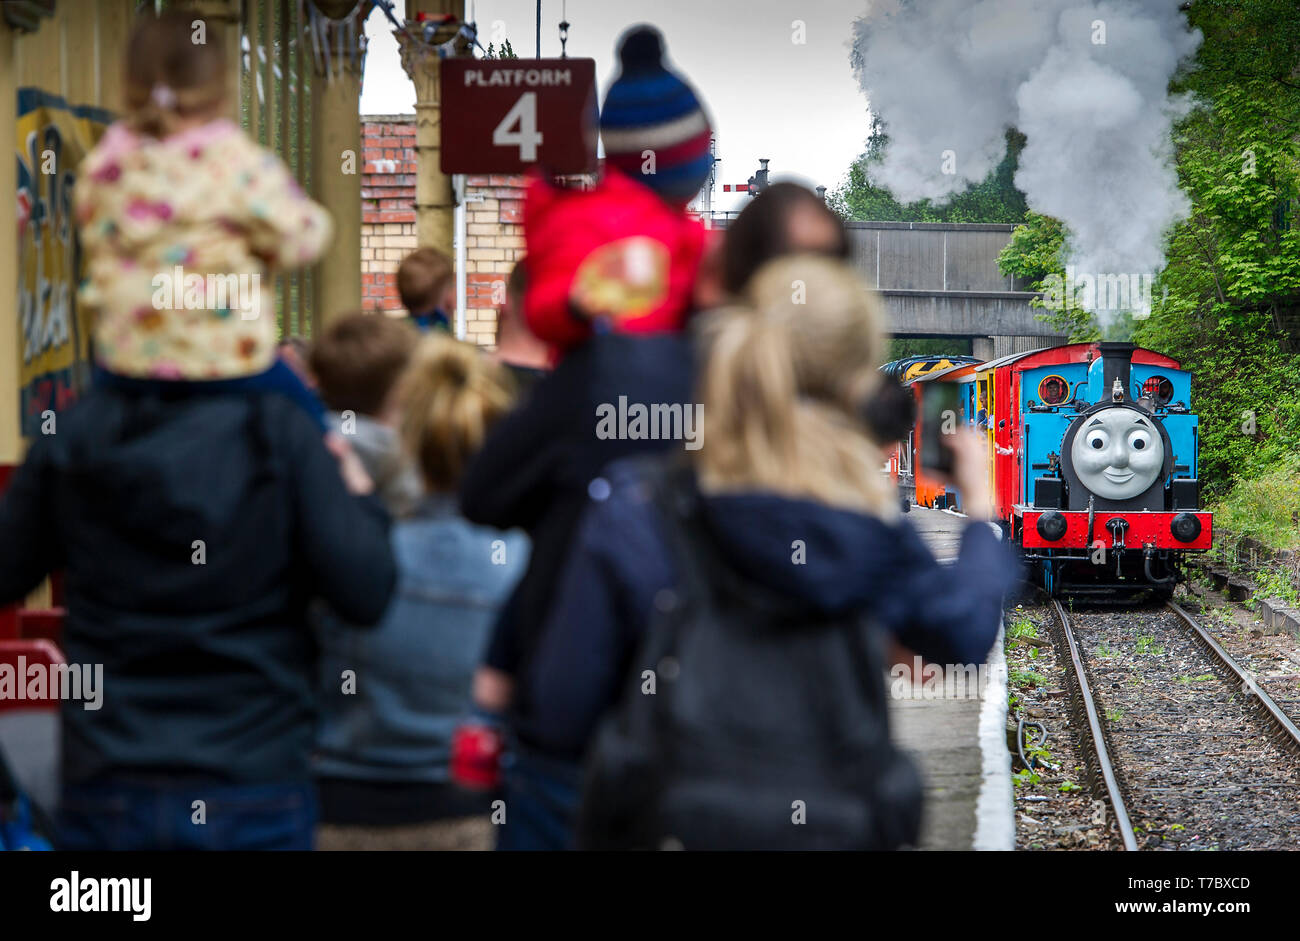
[(1118, 453)]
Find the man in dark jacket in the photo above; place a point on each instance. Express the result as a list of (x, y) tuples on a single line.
[(537, 467), (193, 530)]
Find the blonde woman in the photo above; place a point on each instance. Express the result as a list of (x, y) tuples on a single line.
[(783, 515), (384, 743)]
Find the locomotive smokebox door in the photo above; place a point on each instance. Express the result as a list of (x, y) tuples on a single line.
[(1101, 458)]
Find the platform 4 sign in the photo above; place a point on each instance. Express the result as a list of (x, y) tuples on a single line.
[(506, 115)]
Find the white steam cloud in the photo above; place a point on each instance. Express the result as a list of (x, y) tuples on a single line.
[(1086, 82)]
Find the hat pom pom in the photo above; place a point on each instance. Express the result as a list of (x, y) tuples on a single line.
[(642, 49)]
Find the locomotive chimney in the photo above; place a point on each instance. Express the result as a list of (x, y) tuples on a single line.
[(1116, 358)]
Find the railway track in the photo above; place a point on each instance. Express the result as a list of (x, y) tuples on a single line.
[(1181, 744)]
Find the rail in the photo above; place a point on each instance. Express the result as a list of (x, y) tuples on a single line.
[(1284, 730), (1087, 721)]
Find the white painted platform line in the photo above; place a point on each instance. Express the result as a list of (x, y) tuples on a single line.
[(995, 821)]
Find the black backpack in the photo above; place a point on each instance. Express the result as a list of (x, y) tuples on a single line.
[(768, 728)]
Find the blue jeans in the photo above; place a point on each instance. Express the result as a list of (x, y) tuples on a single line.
[(541, 795), (161, 814)]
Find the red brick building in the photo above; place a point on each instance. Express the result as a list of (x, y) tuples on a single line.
[(494, 229), (387, 206)]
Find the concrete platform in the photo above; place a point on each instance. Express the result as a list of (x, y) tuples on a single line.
[(960, 743)]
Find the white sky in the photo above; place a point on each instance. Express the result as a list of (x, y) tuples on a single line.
[(768, 96)]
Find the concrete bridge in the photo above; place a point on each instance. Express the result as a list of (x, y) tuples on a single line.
[(942, 279)]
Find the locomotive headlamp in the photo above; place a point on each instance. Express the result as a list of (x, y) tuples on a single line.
[(1185, 527), (1052, 525)]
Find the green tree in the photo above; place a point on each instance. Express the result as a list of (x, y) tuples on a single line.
[(1035, 254), (506, 51), (903, 347)]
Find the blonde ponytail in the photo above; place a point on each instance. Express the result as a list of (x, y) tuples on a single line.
[(451, 394), (783, 384), (748, 390)]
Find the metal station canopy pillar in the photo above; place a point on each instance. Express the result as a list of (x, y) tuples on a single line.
[(434, 202), (338, 45)]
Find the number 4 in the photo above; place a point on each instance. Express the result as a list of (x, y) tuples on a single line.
[(527, 138)]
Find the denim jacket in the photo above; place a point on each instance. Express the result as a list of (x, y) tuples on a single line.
[(391, 718)]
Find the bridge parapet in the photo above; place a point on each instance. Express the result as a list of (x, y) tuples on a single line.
[(942, 279)]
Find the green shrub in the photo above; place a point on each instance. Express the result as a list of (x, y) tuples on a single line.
[(1266, 508)]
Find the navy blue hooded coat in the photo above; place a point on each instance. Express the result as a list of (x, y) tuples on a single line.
[(852, 562), (193, 529)]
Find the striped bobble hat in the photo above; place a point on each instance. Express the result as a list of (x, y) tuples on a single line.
[(651, 109)]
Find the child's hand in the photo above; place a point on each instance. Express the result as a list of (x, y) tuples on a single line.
[(970, 472), (478, 742), (351, 469), (493, 690)]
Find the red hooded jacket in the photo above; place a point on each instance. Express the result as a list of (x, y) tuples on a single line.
[(617, 254)]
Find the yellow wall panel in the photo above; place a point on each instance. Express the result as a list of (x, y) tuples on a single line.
[(60, 88)]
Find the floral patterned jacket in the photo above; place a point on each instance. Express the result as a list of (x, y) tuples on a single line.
[(181, 237)]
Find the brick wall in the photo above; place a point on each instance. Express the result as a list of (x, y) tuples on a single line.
[(494, 240), (387, 206), (494, 230)]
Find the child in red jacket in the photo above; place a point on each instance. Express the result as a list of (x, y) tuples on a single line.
[(624, 256), (612, 275)]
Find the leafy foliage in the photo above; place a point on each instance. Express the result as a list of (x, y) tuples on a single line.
[(1265, 508), (1035, 253), (1021, 627), (903, 347), (1276, 585), (506, 51)]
